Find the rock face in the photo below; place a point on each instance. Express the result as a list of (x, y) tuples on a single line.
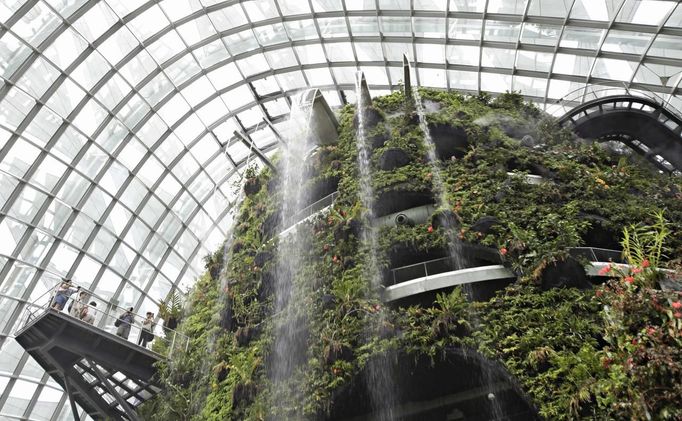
[(568, 273), (450, 141), (393, 158), (252, 186)]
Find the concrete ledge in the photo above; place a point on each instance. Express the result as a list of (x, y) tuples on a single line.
[(472, 275), (446, 279)]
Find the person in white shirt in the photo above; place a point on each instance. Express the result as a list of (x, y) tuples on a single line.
[(87, 313)]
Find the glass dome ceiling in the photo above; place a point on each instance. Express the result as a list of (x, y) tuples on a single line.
[(125, 125)]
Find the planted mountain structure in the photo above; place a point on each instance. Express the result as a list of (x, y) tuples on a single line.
[(438, 257)]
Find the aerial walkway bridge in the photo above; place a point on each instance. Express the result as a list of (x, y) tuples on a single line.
[(648, 125), (109, 376)]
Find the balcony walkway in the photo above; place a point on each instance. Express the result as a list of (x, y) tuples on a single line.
[(107, 375), (436, 274)]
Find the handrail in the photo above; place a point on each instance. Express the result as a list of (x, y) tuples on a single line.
[(583, 95), (593, 252), (308, 210), (105, 314)]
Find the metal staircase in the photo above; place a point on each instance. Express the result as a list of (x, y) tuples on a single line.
[(107, 375)]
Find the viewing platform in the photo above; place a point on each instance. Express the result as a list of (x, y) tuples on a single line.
[(109, 376), (437, 274)]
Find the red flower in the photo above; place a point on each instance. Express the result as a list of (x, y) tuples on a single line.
[(677, 315), (676, 305), (645, 263), (634, 341), (636, 271), (430, 228), (604, 271), (629, 279), (503, 251)]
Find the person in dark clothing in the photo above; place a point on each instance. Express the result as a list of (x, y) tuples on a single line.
[(124, 321), (146, 333)]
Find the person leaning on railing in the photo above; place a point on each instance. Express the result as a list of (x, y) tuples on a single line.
[(62, 294)]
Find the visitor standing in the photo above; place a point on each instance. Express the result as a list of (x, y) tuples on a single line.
[(146, 334), (124, 322), (78, 304), (87, 313), (64, 291)]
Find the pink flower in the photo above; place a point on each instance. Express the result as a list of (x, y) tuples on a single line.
[(676, 305), (430, 228), (629, 279), (604, 271), (503, 251), (651, 331), (635, 271), (677, 315), (645, 263)]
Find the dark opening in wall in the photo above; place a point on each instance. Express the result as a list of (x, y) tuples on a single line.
[(397, 199), (455, 385), (568, 273), (322, 188), (393, 158), (600, 234), (449, 141)]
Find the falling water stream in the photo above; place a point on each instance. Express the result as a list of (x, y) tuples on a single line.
[(379, 370), (454, 245), (291, 322)]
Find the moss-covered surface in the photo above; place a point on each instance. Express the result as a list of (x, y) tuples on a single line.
[(563, 348)]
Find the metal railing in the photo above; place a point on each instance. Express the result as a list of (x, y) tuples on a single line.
[(163, 341), (582, 95), (597, 254), (447, 264), (421, 270), (313, 208)]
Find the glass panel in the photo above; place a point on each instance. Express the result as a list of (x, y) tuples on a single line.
[(501, 31), (595, 9), (626, 42), (47, 403), (645, 12), (465, 29), (540, 34), (530, 60), (666, 46)]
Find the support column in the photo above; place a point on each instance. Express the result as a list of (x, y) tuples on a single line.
[(67, 386)]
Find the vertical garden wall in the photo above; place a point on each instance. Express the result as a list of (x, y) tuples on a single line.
[(549, 343)]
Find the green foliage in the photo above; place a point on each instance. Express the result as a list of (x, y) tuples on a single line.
[(568, 350), (646, 242), (171, 306)]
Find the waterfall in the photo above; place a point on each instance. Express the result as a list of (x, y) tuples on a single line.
[(379, 370), (454, 244), (290, 323)]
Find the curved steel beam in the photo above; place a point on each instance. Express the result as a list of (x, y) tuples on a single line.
[(635, 121)]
